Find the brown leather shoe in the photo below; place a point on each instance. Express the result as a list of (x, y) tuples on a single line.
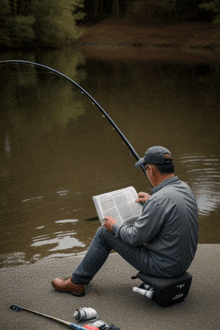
[(67, 285)]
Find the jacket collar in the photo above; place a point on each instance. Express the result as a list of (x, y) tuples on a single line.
[(164, 183)]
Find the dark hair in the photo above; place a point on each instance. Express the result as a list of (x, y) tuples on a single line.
[(165, 168)]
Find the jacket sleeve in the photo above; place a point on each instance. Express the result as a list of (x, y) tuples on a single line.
[(146, 227)]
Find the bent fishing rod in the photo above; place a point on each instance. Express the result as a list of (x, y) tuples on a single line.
[(106, 115)]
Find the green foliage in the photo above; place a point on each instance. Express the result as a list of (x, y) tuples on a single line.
[(56, 24), (166, 9), (5, 11), (5, 8), (47, 23), (214, 7), (22, 32)]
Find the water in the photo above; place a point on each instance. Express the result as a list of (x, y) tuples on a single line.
[(57, 150)]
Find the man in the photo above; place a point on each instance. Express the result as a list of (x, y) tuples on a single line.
[(162, 242)]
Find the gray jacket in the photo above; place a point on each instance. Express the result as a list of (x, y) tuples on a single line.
[(168, 226)]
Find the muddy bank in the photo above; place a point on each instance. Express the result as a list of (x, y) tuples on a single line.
[(154, 40)]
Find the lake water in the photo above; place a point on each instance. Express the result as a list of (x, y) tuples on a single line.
[(57, 150)]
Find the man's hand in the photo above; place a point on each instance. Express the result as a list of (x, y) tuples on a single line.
[(109, 223), (143, 197)]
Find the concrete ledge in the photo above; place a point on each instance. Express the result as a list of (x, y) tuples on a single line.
[(110, 295)]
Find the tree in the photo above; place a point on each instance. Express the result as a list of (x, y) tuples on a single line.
[(99, 9), (41, 23), (116, 8), (5, 12), (56, 22), (214, 8)]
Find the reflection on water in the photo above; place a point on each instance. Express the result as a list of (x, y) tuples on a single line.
[(31, 199), (205, 173), (7, 146), (57, 151), (62, 240)]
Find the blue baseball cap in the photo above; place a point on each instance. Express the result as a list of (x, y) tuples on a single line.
[(155, 155)]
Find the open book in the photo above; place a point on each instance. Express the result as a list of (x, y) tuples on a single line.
[(119, 204)]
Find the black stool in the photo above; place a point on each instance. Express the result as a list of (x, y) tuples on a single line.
[(167, 291)]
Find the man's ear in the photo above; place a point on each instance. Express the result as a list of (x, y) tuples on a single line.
[(152, 169)]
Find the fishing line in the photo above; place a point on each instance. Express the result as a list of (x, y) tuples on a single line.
[(53, 73)]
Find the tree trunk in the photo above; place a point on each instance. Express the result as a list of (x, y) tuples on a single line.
[(115, 8), (13, 5), (96, 8)]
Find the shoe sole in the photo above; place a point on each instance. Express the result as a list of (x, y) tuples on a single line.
[(74, 294)]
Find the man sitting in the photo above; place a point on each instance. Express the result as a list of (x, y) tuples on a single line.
[(162, 242)]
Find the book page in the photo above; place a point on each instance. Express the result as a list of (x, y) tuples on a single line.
[(119, 204)]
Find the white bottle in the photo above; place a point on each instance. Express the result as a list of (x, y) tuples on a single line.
[(148, 293), (85, 313)]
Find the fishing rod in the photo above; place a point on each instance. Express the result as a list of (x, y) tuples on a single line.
[(94, 326), (106, 115), (70, 325)]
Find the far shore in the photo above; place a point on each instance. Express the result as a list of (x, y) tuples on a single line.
[(120, 39)]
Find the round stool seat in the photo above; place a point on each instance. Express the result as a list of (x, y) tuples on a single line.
[(167, 291)]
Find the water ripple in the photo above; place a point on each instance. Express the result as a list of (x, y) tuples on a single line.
[(61, 240), (205, 181)]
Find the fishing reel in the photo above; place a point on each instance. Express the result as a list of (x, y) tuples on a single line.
[(100, 325), (87, 313)]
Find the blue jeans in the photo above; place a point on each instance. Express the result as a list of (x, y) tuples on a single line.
[(102, 244)]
